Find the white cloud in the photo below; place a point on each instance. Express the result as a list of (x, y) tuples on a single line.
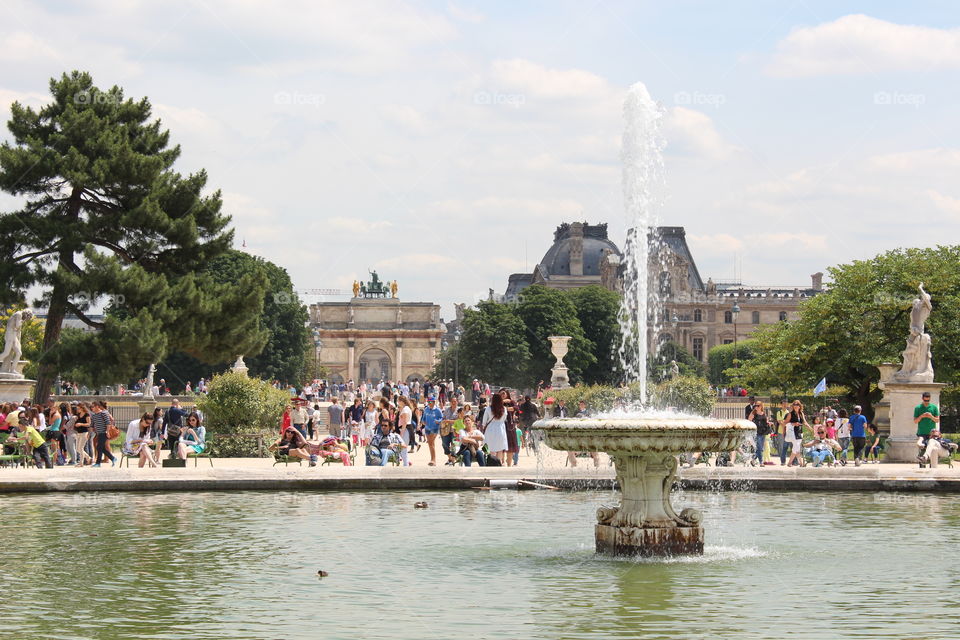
[(465, 14), (538, 81), (404, 116), (509, 208), (856, 44), (692, 132), (356, 225), (413, 262), (944, 203)]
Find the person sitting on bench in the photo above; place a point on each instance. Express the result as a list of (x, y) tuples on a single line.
[(331, 447), (934, 449), (387, 445), (471, 444), (292, 444)]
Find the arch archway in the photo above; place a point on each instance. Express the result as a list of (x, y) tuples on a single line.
[(375, 365)]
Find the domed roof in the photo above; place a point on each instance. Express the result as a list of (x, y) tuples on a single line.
[(556, 261)]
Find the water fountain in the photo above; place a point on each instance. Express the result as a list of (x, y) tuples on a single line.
[(644, 446)]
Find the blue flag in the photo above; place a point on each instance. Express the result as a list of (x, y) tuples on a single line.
[(821, 387)]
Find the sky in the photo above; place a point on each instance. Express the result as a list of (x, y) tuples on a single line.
[(441, 143)]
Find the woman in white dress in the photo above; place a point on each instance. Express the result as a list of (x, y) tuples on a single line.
[(495, 428), (369, 423), (403, 421)]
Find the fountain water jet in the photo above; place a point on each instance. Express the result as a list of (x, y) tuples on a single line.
[(644, 447)]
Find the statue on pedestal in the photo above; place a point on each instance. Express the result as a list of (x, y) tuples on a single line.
[(148, 383), (12, 349), (674, 370), (393, 289), (917, 362), (356, 289)]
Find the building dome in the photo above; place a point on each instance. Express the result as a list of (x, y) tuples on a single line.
[(566, 240)]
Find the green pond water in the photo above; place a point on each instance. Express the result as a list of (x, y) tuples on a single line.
[(501, 564)]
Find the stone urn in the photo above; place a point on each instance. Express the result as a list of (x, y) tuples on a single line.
[(644, 450), (559, 378)]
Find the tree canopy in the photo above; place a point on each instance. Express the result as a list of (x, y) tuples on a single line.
[(862, 320), (493, 345), (597, 309), (106, 219), (550, 312)]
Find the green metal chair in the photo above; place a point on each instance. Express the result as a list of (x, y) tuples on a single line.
[(206, 453), (18, 458)]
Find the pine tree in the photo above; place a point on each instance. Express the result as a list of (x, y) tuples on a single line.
[(107, 220)]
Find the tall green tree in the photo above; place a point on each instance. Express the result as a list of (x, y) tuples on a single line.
[(724, 357), (597, 309), (283, 321), (493, 346), (106, 219), (660, 363), (549, 312), (862, 320)]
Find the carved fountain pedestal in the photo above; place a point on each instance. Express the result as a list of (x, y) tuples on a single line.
[(644, 450)]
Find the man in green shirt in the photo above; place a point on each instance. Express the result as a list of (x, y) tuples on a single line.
[(926, 416)]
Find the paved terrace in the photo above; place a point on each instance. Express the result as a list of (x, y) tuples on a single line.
[(259, 474)]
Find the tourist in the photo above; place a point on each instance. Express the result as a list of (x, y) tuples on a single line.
[(475, 397), (933, 448), (36, 443), (431, 426), (448, 429), (494, 423), (471, 444), (157, 432), (100, 420), (416, 419), (69, 431), (758, 415), (780, 435), (54, 434), (138, 441), (388, 445), (820, 448), (355, 420), (369, 423), (298, 418), (82, 428), (873, 445), (843, 435), (513, 445), (926, 416), (858, 434), (560, 410), (748, 410), (404, 416), (793, 436), (335, 425), (174, 417), (292, 444), (529, 413), (193, 437), (286, 420)]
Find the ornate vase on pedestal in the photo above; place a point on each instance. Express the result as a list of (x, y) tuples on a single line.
[(558, 347)]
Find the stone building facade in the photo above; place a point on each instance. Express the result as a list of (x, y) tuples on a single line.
[(700, 315), (369, 339), (695, 314)]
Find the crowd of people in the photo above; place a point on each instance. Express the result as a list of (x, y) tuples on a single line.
[(81, 433), (831, 436), (391, 420)]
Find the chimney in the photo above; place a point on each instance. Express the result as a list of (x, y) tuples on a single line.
[(576, 249), (817, 280)]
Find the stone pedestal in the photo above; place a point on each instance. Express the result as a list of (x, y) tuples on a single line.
[(14, 387), (147, 405), (638, 541), (559, 378), (903, 397)]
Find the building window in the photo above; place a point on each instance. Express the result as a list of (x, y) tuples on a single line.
[(727, 341), (697, 315), (755, 317), (783, 316), (698, 348), (728, 317)]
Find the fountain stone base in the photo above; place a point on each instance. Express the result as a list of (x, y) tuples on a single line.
[(638, 541), (644, 450)]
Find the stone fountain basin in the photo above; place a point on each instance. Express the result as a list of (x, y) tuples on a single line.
[(632, 435)]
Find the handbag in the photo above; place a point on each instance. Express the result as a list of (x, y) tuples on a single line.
[(112, 432)]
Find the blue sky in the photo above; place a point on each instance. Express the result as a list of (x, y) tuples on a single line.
[(442, 142)]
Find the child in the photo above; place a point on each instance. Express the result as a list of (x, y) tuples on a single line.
[(873, 444), (831, 429)]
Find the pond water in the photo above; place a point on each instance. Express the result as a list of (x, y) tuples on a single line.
[(501, 564)]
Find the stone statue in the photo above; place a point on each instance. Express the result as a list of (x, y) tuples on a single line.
[(917, 362), (356, 289), (460, 309), (350, 314), (148, 383), (393, 289), (399, 316), (240, 366), (920, 312), (674, 369), (12, 349)]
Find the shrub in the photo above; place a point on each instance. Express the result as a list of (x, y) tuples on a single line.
[(240, 410), (684, 393)]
